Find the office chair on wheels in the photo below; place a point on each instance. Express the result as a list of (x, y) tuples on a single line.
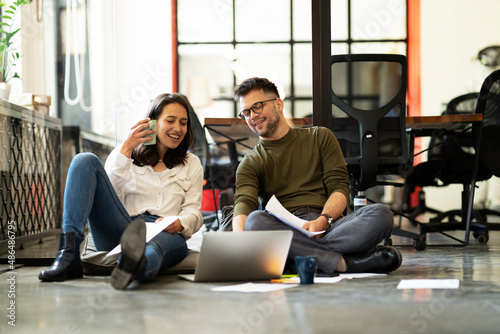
[(465, 158), (426, 175), (369, 106), (466, 104)]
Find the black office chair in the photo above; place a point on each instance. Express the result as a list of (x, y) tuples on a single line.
[(466, 104), (467, 157), (369, 106), (426, 174)]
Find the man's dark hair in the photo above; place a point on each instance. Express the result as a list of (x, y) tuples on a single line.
[(148, 154), (254, 83)]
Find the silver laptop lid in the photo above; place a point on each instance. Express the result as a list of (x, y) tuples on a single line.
[(242, 256)]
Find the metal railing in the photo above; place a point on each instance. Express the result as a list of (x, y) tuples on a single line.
[(30, 170)]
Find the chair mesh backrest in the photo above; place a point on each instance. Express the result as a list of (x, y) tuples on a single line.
[(488, 103), (463, 104), (442, 143), (492, 108), (368, 107), (461, 147)]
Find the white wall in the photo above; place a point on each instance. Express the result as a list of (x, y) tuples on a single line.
[(36, 42), (452, 33), (138, 36)]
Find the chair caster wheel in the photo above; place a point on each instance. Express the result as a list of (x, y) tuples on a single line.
[(419, 243), (483, 238)]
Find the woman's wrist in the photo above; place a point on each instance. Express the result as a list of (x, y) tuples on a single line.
[(126, 152)]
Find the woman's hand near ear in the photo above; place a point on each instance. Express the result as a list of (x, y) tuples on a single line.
[(136, 136)]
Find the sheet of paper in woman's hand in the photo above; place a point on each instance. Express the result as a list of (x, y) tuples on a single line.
[(152, 229), (275, 208)]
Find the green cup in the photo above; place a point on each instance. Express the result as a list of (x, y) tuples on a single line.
[(152, 126)]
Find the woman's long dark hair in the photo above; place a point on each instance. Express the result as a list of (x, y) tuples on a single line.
[(148, 154)]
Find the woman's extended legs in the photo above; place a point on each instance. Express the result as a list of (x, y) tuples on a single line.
[(89, 195)]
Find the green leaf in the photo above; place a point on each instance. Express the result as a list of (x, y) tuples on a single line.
[(9, 55), (14, 32)]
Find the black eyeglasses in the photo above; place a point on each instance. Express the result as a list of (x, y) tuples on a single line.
[(256, 108)]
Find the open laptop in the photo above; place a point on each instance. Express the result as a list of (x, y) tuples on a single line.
[(241, 256)]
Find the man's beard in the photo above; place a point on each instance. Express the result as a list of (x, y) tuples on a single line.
[(270, 128)]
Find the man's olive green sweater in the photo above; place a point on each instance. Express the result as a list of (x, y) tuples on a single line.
[(302, 169)]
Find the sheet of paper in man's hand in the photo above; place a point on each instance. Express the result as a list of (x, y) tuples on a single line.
[(152, 229), (275, 208)]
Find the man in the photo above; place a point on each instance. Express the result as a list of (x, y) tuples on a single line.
[(305, 169)]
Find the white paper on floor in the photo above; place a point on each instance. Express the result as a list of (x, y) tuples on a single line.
[(254, 287), (321, 279), (429, 284)]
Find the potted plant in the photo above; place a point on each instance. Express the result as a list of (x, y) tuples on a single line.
[(8, 53)]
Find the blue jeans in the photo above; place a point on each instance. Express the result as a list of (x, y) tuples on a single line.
[(89, 196), (353, 234)]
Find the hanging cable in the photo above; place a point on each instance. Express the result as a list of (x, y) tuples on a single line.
[(70, 41), (82, 61), (72, 34)]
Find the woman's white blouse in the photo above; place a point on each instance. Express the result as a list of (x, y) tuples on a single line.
[(172, 192)]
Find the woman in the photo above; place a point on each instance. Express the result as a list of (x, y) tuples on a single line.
[(139, 183)]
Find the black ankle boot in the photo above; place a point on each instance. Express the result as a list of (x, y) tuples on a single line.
[(380, 260), (67, 264), (132, 259)]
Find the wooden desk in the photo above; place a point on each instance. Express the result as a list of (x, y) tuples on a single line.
[(236, 129), (413, 122), (446, 122)]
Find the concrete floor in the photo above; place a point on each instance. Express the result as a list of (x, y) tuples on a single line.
[(361, 305)]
